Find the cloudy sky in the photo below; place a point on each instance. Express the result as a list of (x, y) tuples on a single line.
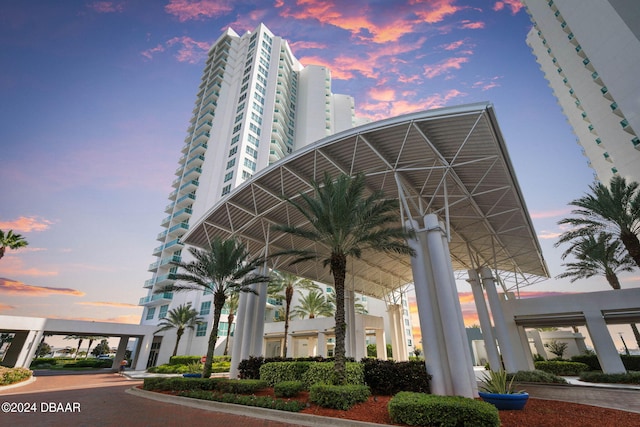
[(95, 99)]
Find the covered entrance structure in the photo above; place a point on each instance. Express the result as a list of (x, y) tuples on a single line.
[(457, 189)]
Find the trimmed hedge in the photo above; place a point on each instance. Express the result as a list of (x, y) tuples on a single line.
[(288, 388), (43, 361), (250, 368), (536, 377), (630, 362), (419, 409), (179, 383), (186, 360), (276, 372), (324, 373), (261, 401), (562, 368), (338, 396), (183, 369), (386, 377), (599, 377), (13, 375)]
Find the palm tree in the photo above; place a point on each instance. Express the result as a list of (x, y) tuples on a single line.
[(287, 283), (232, 306), (91, 339), (346, 222), (312, 304), (180, 318), (358, 306), (596, 256), (224, 269), (75, 337), (614, 210), (11, 241)]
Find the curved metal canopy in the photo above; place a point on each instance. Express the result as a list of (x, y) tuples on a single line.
[(450, 161)]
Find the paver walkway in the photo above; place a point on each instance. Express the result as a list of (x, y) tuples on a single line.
[(102, 401)]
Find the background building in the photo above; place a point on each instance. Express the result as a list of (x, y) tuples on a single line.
[(589, 54), (255, 105)]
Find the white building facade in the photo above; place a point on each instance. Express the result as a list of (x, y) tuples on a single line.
[(589, 53), (255, 105)]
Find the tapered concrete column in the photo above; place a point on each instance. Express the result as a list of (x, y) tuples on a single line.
[(122, 347), (429, 315), (502, 334), (248, 332), (236, 347), (537, 342), (394, 327), (485, 322), (455, 336), (605, 348), (350, 319), (321, 345), (143, 348), (381, 345), (258, 321)]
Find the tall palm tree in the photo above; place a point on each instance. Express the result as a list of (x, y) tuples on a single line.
[(346, 222), (180, 318), (224, 269), (312, 304), (287, 283), (232, 306), (91, 339), (599, 256), (358, 306), (614, 210), (11, 241)]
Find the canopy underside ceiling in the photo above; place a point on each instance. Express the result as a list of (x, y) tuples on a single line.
[(450, 161)]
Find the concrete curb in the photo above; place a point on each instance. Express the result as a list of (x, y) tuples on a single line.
[(16, 385), (253, 412)]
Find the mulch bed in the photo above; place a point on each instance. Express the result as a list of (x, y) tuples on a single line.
[(537, 413)]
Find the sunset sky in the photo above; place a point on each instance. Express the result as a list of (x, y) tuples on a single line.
[(95, 99)]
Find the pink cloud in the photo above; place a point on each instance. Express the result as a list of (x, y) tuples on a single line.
[(435, 10), (106, 6), (486, 84), (550, 214), (468, 25), (431, 71), (127, 318), (26, 224), (514, 5), (546, 235), (454, 45), (6, 307), (15, 266), (14, 287), (188, 49), (380, 94), (300, 45), (382, 109), (108, 304), (186, 10)]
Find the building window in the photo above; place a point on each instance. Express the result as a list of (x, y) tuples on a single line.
[(226, 190), (635, 141), (233, 151), (251, 165), (228, 176), (201, 329), (246, 175), (253, 153), (231, 162), (205, 308), (163, 311), (151, 311)]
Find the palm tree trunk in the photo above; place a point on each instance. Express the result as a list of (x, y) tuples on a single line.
[(339, 269), (88, 349), (288, 297), (632, 244), (77, 349), (179, 333), (636, 334), (229, 322), (219, 298)]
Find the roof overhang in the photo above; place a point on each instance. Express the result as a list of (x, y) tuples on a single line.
[(450, 161)]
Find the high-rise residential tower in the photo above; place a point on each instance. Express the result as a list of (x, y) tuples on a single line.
[(255, 104), (589, 52)]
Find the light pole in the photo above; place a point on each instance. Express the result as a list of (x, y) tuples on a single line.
[(626, 349)]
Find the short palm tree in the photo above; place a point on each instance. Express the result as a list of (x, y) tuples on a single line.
[(312, 304), (224, 269), (358, 306), (287, 283), (181, 318), (9, 240), (599, 256), (347, 223), (232, 306), (614, 209), (75, 337)]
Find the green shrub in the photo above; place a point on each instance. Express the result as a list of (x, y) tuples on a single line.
[(261, 401), (386, 377), (599, 377), (419, 409), (324, 373), (275, 372), (288, 388), (90, 363), (192, 367), (562, 367), (186, 360), (240, 386), (13, 375), (179, 383), (338, 396), (536, 377), (590, 360), (631, 362), (250, 368), (43, 362)]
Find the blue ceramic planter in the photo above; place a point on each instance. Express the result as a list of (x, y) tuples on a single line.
[(505, 401), (192, 375)]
